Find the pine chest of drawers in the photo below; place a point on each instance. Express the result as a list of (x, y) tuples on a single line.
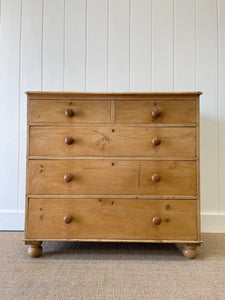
[(113, 167)]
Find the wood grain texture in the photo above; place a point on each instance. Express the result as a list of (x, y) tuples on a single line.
[(27, 241), (108, 196), (121, 141), (84, 111), (141, 112), (102, 219), (109, 177), (113, 158), (198, 167), (123, 95), (94, 178)]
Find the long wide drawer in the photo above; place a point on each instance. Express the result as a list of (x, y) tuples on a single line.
[(70, 111), (101, 177), (112, 219), (121, 141), (153, 112)]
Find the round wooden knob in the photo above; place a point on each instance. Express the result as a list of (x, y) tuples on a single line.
[(156, 141), (68, 219), (156, 220), (69, 140), (156, 113), (155, 178), (68, 177), (69, 112)]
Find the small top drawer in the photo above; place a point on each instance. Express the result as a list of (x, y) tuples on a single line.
[(69, 111), (153, 112)]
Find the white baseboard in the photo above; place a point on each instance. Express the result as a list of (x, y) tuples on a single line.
[(214, 223), (14, 220)]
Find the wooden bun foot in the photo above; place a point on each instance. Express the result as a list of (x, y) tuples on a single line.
[(35, 249), (190, 251)]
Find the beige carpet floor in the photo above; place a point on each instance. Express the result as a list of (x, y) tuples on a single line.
[(111, 270)]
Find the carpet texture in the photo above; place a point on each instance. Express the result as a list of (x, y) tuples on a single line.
[(108, 271)]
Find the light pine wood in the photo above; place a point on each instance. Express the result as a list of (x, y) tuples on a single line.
[(112, 158), (84, 111), (108, 196), (178, 242), (109, 177), (102, 219), (142, 112), (125, 96), (198, 165), (122, 141), (190, 251), (34, 249), (114, 125), (113, 167)]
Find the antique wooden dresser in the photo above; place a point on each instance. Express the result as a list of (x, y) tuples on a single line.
[(113, 167)]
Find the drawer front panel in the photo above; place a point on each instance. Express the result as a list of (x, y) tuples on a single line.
[(77, 111), (121, 141), (112, 177), (112, 219), (141, 112)]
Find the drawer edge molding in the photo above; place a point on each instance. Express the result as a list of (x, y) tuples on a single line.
[(27, 241)]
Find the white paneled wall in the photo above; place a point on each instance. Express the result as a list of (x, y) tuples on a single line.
[(112, 45)]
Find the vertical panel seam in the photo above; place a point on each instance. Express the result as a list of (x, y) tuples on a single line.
[(0, 12), (219, 98), (152, 45), (109, 85), (150, 59), (196, 64), (19, 99), (42, 44), (107, 66), (173, 44), (129, 68), (85, 81), (64, 33)]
